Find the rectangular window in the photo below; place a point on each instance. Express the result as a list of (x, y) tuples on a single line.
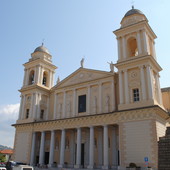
[(135, 95), (82, 104), (27, 113), (42, 114)]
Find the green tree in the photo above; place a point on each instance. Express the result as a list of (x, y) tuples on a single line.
[(2, 158)]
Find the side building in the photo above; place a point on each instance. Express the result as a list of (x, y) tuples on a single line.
[(94, 119)]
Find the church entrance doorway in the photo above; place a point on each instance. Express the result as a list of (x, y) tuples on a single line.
[(82, 155), (46, 158)]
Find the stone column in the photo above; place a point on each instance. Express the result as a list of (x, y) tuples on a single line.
[(42, 144), (51, 157), (86, 147), (120, 87), (62, 149), (88, 100), (47, 110), (25, 73), (72, 148), (78, 156), (113, 96), (114, 148), (74, 103), (99, 147), (20, 108), (100, 98), (32, 105), (27, 77), (143, 83), (52, 79), (37, 74), (41, 75), (124, 48), (105, 148), (159, 89), (23, 108), (35, 105), (64, 104), (119, 48), (150, 82), (139, 43), (126, 87), (91, 148), (55, 106), (39, 109), (145, 39), (153, 50), (33, 149)]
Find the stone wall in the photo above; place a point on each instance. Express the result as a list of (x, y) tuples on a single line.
[(164, 151)]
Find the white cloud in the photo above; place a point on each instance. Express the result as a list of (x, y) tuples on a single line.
[(8, 116)]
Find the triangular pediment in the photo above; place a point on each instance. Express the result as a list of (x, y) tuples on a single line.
[(82, 75)]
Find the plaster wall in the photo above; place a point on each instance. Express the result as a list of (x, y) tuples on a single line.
[(22, 146), (137, 142)]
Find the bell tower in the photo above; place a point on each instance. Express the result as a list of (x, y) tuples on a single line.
[(38, 80), (137, 64)]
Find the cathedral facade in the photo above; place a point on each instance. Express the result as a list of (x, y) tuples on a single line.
[(94, 119)]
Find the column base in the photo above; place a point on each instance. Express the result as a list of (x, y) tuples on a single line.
[(114, 167), (60, 166), (77, 166), (90, 167), (50, 165), (105, 167)]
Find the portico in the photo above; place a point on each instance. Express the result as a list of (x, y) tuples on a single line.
[(82, 147)]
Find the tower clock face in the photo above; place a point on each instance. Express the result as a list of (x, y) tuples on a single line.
[(134, 74)]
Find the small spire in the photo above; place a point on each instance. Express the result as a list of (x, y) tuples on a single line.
[(43, 42), (132, 2), (58, 80)]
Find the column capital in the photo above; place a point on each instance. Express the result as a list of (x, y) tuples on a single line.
[(149, 66), (120, 71), (124, 70), (88, 86), (141, 66), (118, 38), (105, 125), (100, 84), (78, 128)]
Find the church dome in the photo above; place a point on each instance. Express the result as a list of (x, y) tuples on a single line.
[(41, 49), (133, 11), (132, 16)]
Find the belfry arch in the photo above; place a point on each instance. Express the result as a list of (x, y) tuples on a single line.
[(132, 47), (31, 77), (45, 79)]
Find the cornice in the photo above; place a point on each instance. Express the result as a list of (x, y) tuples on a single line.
[(33, 87), (140, 114)]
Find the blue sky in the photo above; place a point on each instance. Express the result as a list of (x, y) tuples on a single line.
[(71, 29)]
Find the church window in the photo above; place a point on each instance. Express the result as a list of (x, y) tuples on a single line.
[(42, 114), (44, 81), (31, 77), (135, 95), (27, 113), (82, 104), (132, 47)]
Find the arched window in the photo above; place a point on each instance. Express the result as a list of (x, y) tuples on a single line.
[(27, 114), (44, 81), (31, 77), (132, 47)]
